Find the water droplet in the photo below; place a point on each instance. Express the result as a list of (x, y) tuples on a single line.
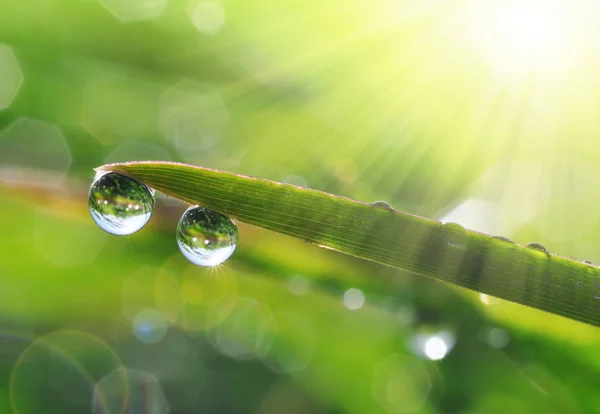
[(455, 235), (502, 238), (587, 262), (119, 204), (383, 204), (205, 237), (537, 246)]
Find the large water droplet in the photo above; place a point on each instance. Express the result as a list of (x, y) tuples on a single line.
[(537, 246), (382, 204), (205, 237), (119, 204)]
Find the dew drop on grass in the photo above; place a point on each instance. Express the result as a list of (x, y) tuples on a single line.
[(537, 246), (502, 238), (382, 204), (119, 204), (205, 237)]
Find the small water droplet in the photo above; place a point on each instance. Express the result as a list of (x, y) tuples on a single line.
[(455, 235), (502, 238), (587, 262), (537, 246), (111, 198), (206, 237), (382, 204)]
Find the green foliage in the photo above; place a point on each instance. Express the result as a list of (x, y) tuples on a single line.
[(396, 101), (528, 275)]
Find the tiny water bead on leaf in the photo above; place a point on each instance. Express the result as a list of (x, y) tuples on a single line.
[(119, 204), (205, 237), (502, 238), (383, 204), (537, 246)]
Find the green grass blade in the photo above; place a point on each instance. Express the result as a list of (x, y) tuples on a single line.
[(445, 252)]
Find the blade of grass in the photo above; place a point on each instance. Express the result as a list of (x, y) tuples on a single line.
[(445, 252)]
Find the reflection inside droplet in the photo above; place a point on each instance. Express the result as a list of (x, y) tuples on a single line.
[(205, 237), (119, 204)]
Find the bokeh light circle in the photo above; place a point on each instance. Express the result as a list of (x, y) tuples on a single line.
[(65, 365)]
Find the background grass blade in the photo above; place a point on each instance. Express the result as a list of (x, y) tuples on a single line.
[(445, 252)]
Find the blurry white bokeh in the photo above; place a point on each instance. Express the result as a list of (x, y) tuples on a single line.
[(149, 326), (119, 104), (11, 76), (64, 241), (131, 391), (298, 285), (207, 16), (31, 144), (247, 332), (401, 384), (294, 345), (354, 299), (193, 116), (433, 346)]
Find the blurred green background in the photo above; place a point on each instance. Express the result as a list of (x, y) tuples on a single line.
[(479, 112)]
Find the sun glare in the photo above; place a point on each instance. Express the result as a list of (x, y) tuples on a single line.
[(520, 36)]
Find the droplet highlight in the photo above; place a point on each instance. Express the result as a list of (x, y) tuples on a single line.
[(119, 204), (206, 237), (537, 246)]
